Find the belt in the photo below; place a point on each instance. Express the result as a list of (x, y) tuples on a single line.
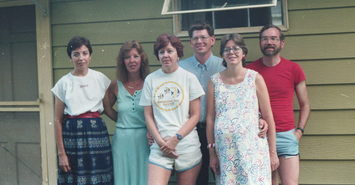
[(85, 115)]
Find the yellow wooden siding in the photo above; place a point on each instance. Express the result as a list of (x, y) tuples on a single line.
[(330, 122), (327, 172), (339, 20), (315, 4), (112, 32), (332, 97), (328, 147), (329, 71), (104, 10), (332, 46)]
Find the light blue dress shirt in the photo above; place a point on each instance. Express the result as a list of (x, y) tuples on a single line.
[(203, 72)]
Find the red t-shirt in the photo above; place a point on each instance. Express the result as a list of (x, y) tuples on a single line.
[(281, 81)]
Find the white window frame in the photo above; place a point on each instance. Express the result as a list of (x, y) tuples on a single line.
[(168, 3), (179, 32)]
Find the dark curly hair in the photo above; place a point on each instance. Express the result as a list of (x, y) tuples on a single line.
[(76, 42)]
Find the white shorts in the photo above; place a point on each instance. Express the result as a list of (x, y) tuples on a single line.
[(188, 150)]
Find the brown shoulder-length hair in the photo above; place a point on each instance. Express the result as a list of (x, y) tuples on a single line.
[(122, 73), (164, 39), (238, 40)]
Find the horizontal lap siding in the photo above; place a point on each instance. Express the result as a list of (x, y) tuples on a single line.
[(317, 4), (327, 21), (328, 147), (107, 33), (331, 122), (320, 38), (327, 172), (332, 97), (104, 10), (333, 71)]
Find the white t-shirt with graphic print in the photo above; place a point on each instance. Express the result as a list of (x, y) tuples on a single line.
[(170, 94)]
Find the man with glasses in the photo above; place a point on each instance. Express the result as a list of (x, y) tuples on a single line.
[(203, 64), (283, 78)]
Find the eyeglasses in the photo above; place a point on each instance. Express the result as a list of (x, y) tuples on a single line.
[(233, 49), (202, 38), (271, 39)]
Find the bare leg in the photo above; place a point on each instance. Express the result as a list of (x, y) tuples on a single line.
[(188, 177), (289, 170), (158, 175), (275, 177)]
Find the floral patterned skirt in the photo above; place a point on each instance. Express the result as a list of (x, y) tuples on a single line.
[(243, 155), (87, 145)]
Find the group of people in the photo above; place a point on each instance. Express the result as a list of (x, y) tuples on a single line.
[(186, 117)]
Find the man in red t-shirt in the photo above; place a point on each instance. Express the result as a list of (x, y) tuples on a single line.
[(283, 78)]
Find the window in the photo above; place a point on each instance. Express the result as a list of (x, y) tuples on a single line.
[(193, 6), (239, 20)]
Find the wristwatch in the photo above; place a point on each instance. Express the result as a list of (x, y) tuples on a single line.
[(179, 136), (301, 129)]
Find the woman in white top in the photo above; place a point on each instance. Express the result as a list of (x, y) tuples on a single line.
[(171, 100), (83, 145)]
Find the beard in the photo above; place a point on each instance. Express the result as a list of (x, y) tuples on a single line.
[(270, 53)]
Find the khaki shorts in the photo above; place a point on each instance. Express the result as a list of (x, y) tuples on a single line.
[(185, 161)]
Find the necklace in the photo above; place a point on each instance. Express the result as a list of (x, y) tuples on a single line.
[(134, 85)]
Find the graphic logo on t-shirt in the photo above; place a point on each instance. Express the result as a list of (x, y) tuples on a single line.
[(168, 96)]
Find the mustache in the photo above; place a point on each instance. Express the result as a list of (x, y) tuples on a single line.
[(269, 46)]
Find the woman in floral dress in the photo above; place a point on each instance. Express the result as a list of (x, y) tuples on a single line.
[(235, 95)]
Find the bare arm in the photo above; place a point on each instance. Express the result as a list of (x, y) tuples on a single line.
[(58, 121), (152, 128), (187, 127), (303, 101), (211, 113), (109, 100), (194, 112), (210, 121), (265, 108)]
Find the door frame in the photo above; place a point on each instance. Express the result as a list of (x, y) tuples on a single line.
[(45, 82)]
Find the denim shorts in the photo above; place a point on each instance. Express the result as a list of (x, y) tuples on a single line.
[(287, 144)]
